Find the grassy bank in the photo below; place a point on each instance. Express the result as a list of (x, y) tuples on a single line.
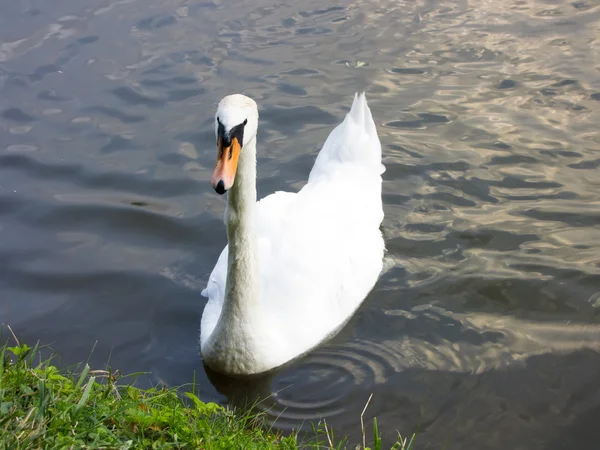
[(43, 407)]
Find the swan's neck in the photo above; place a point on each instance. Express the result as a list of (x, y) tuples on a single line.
[(241, 289), (232, 345)]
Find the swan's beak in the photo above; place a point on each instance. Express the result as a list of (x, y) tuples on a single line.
[(227, 161)]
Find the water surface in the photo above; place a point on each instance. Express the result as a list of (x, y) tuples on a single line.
[(485, 329)]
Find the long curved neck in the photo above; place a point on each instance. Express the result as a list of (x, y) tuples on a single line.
[(241, 289), (231, 346)]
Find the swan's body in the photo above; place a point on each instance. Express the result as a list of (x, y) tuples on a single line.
[(297, 265)]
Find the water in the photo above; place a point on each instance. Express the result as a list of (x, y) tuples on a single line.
[(484, 331)]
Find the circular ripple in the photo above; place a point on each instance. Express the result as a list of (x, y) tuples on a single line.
[(329, 383)]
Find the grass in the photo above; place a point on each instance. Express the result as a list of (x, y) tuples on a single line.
[(43, 407)]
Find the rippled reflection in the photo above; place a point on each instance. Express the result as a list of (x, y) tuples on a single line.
[(483, 329)]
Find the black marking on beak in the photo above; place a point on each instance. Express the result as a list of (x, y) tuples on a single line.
[(220, 187)]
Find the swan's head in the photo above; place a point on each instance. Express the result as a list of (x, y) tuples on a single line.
[(236, 122)]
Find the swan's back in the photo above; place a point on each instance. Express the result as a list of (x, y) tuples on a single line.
[(320, 250)]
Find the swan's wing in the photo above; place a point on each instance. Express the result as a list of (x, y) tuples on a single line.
[(215, 291), (320, 264), (271, 213)]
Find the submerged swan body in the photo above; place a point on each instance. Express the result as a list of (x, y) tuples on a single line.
[(297, 265)]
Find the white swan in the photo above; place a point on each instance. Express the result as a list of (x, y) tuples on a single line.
[(297, 265)]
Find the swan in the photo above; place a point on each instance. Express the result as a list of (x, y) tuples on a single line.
[(297, 265)]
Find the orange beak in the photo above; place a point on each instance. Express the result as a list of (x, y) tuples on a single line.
[(226, 166)]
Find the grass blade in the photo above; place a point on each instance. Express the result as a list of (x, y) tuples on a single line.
[(86, 393), (376, 436), (84, 373), (2, 373), (31, 354), (43, 400), (80, 381), (412, 439)]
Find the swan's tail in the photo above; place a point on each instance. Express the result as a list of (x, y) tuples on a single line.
[(361, 114), (354, 140)]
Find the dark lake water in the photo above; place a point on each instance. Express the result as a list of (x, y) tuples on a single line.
[(485, 330)]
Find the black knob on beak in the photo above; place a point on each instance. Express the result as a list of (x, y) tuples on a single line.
[(220, 187)]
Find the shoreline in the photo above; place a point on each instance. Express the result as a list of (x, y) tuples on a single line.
[(42, 406)]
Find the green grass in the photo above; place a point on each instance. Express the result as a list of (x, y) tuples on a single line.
[(43, 407)]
